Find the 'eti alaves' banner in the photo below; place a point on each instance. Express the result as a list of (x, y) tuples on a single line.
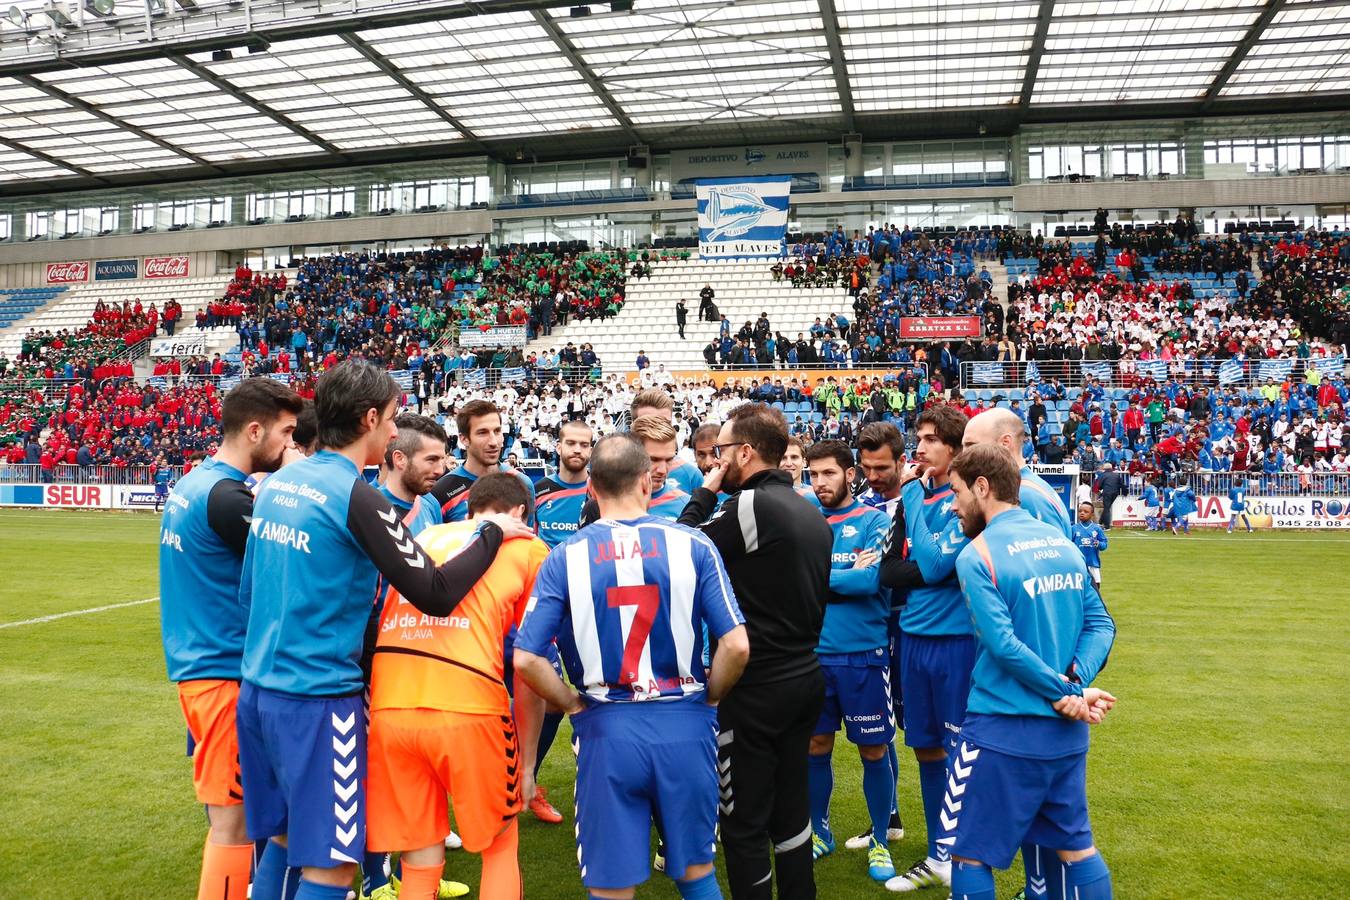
[(742, 218)]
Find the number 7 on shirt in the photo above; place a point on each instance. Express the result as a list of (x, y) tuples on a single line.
[(647, 599)]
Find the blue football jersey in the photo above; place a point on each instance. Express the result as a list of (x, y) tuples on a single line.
[(201, 554), (557, 509), (633, 597)]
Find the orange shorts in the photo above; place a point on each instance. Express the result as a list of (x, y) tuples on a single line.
[(418, 756), (209, 708)]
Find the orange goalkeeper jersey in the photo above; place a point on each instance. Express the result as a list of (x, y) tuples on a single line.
[(454, 662)]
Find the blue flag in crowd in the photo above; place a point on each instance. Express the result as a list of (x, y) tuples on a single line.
[(228, 382), (987, 373), (1099, 370), (158, 381), (1033, 371), (475, 378), (1330, 366), (1152, 368), (515, 373), (1277, 369), (1230, 372), (404, 379)]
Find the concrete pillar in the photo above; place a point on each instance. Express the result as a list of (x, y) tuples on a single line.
[(853, 156)]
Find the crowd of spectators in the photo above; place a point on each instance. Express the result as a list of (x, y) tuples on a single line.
[(120, 424)]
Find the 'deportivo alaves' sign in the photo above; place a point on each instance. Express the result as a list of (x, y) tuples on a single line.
[(750, 159), (742, 218)]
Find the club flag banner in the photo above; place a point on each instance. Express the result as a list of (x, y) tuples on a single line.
[(1330, 366), (515, 373), (228, 382), (403, 378), (474, 378), (987, 373), (1275, 369), (1097, 369), (742, 218), (1230, 372), (1152, 368), (1033, 371)]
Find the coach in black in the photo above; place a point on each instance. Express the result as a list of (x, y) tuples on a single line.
[(776, 546)]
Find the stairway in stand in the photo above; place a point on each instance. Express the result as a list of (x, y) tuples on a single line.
[(744, 289)]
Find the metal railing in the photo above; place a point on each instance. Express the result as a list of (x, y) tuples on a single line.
[(1259, 484), (25, 473), (1122, 374)]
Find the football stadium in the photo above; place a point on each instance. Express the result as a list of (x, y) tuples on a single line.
[(674, 448)]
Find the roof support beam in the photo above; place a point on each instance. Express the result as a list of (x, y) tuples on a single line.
[(384, 65), (830, 16), (1043, 17), (1242, 49), (65, 97), (47, 158), (221, 84), (565, 46)]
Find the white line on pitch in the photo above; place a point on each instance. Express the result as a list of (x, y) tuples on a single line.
[(77, 612)]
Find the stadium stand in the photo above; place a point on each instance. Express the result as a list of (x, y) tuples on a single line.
[(74, 312)]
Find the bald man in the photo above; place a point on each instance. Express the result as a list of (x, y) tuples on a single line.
[(1006, 429)]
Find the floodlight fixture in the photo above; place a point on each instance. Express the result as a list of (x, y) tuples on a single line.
[(579, 12), (100, 8), (58, 14)]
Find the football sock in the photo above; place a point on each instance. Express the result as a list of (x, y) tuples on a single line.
[(821, 783), (547, 732), (1089, 878), (972, 881), (704, 888), (420, 882), (932, 784), (372, 873), (895, 770), (269, 879), (225, 870), (501, 868), (878, 784), (312, 890), (1045, 875)]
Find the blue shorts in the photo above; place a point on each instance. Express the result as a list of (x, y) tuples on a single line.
[(303, 762), (858, 690), (995, 802), (637, 762), (935, 675)]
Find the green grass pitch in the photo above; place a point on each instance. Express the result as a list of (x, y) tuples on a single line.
[(1223, 772)]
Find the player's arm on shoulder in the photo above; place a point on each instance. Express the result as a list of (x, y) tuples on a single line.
[(1096, 639), (435, 590), (994, 629), (229, 511)]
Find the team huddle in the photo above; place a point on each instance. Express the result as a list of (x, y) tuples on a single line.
[(355, 660)]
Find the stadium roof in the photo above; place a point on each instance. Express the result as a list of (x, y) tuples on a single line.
[(151, 90)]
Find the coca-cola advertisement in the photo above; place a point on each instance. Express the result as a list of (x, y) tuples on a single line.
[(68, 272), (166, 267)]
